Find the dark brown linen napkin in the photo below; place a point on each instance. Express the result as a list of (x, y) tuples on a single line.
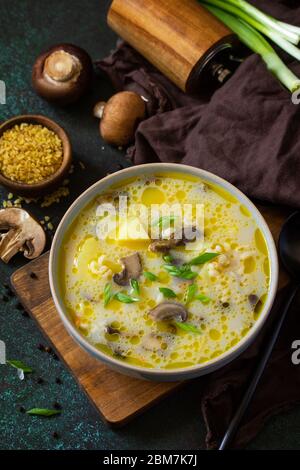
[(247, 132)]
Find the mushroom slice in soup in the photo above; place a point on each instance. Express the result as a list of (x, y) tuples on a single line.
[(132, 269), (169, 311), (178, 237)]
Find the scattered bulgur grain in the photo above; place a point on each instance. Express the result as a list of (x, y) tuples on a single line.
[(50, 226), (30, 153), (82, 165), (10, 196), (46, 218), (50, 199)]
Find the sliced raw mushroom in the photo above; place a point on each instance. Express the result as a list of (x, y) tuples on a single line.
[(132, 269), (169, 311), (20, 232)]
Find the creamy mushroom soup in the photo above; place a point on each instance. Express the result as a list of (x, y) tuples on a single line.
[(178, 299)]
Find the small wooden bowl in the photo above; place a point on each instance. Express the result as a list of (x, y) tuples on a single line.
[(53, 181)]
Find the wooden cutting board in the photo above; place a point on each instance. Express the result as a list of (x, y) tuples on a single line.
[(118, 398)]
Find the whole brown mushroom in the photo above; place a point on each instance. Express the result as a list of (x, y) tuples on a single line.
[(62, 74), (120, 116)]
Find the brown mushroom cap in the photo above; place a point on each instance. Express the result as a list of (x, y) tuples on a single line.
[(62, 74), (120, 117), (132, 269), (169, 311), (21, 233)]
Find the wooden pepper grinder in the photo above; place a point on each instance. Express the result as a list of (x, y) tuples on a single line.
[(179, 37)]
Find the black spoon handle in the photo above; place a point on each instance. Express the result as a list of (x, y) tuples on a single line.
[(238, 416)]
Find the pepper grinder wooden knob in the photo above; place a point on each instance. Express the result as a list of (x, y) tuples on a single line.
[(179, 37)]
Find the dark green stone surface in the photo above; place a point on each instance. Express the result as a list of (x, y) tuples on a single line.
[(28, 27)]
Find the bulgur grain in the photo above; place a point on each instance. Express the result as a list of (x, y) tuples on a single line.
[(30, 153)]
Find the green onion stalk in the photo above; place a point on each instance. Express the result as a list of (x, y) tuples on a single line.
[(277, 38), (258, 44), (289, 32)]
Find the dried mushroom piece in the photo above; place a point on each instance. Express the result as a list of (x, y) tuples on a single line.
[(132, 269), (20, 232)]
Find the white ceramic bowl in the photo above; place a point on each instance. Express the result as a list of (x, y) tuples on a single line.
[(140, 372)]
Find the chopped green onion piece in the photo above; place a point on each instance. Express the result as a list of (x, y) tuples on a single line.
[(125, 299), (203, 298), (135, 286), (201, 259), (108, 294), (43, 412), (20, 365), (150, 276), (165, 220), (183, 272), (258, 44), (168, 293), (187, 327), (190, 293), (168, 258)]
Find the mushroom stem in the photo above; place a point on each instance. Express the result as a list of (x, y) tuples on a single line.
[(99, 109), (61, 66), (10, 244), (22, 233)]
